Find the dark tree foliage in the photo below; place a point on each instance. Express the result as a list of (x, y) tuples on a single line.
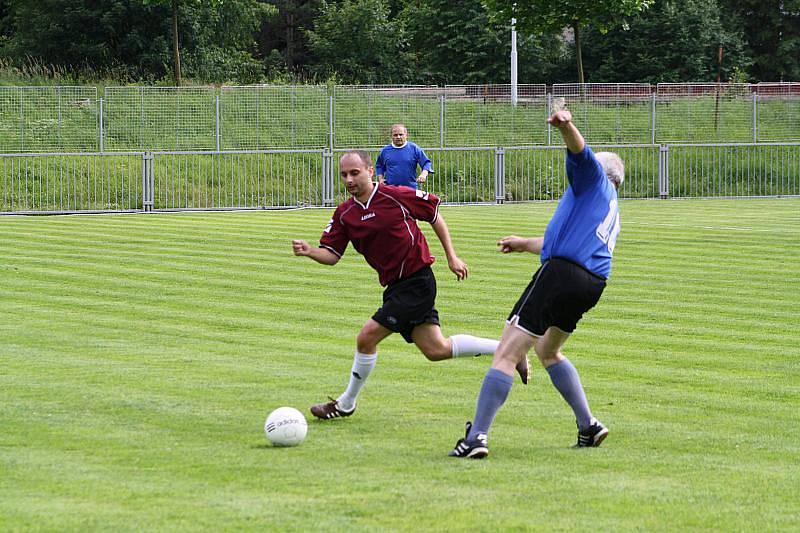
[(355, 41), (772, 31), (673, 41), (283, 41), (457, 43), (133, 38)]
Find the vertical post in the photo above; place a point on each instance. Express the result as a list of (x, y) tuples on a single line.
[(441, 120), (331, 131), (653, 119), (663, 171), (513, 62), (499, 175), (327, 177), (148, 194), (548, 112), (102, 133), (60, 137), (755, 117), (217, 124)]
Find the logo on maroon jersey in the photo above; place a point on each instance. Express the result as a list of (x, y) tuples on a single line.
[(422, 194), (367, 216)]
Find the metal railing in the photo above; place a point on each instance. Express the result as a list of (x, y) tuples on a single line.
[(274, 179), (124, 119)]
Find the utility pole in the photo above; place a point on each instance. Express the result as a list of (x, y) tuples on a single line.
[(513, 62)]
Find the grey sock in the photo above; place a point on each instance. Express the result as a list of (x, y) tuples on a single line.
[(566, 380), (494, 391)]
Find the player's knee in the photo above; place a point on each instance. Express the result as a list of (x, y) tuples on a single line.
[(436, 351), (366, 340), (546, 354)]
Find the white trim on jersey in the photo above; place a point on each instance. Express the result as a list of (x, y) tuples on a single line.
[(330, 249), (406, 215), (366, 206)]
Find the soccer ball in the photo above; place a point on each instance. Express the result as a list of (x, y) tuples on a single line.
[(286, 426)]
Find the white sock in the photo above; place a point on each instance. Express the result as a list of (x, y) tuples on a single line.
[(466, 345), (362, 366)]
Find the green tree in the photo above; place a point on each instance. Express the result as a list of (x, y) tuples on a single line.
[(356, 41), (457, 42), (283, 40), (546, 16), (673, 41), (772, 30), (249, 14)]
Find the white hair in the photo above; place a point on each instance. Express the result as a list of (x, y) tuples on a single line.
[(612, 166)]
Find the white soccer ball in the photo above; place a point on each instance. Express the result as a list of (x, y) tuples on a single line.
[(286, 426)]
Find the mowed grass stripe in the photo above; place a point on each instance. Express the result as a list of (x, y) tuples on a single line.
[(147, 350)]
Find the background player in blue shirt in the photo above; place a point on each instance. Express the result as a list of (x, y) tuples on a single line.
[(576, 261), (397, 162)]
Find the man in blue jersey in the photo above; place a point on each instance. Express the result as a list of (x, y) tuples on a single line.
[(575, 264), (397, 162)]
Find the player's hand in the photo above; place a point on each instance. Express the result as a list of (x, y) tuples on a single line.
[(559, 119), (381, 179), (300, 247), (422, 178), (458, 267), (512, 243)]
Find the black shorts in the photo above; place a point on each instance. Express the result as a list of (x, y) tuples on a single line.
[(409, 302), (559, 294)]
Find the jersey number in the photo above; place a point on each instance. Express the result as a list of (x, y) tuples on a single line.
[(608, 230)]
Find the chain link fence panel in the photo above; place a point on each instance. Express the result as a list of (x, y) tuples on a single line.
[(274, 117), (483, 115), (159, 118), (49, 119)]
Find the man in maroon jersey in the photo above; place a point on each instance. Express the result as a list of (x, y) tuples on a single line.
[(380, 221)]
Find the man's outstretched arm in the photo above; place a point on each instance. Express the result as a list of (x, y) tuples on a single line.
[(562, 120), (320, 255), (512, 243)]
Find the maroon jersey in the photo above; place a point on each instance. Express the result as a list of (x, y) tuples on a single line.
[(384, 230)]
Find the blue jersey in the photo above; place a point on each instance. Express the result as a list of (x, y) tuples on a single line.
[(399, 165), (585, 226)]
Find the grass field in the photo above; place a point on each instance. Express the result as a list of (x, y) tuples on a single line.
[(140, 355)]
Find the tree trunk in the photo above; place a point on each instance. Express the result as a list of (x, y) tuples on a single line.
[(576, 28), (290, 22), (176, 54)]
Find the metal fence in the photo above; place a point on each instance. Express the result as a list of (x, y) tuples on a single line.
[(124, 119), (271, 179)]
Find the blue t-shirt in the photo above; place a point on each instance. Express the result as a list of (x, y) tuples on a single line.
[(585, 226), (399, 165)]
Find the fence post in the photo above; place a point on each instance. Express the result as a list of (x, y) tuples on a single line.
[(499, 175), (148, 194), (441, 120), (663, 171), (755, 117), (327, 177), (101, 126), (653, 118), (331, 132), (217, 124), (548, 112)]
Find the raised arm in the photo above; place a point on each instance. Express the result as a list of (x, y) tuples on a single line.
[(512, 243), (457, 266), (320, 255), (562, 120)]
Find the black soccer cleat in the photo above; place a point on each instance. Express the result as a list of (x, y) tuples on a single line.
[(524, 370), (476, 449), (593, 436), (326, 411)]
